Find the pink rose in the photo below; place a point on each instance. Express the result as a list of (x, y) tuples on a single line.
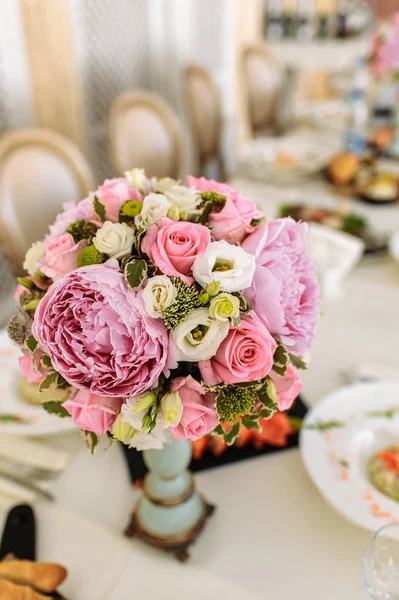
[(284, 291), (72, 212), (199, 416), (208, 185), (32, 370), (288, 387), (173, 247), (246, 354), (113, 194), (61, 256), (91, 412), (98, 335), (233, 222)]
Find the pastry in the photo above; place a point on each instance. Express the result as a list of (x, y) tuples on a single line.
[(12, 591), (380, 187), (45, 577), (343, 168)]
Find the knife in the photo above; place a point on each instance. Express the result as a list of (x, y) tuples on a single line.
[(19, 534)]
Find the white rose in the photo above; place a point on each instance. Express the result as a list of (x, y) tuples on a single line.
[(35, 252), (158, 295), (199, 336), (185, 198), (137, 178), (163, 185), (155, 206), (171, 409), (230, 265), (114, 239)]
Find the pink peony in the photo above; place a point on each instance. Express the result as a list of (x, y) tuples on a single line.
[(61, 256), (288, 387), (208, 185), (246, 354), (199, 416), (91, 412), (284, 291), (98, 335), (173, 247), (32, 371), (113, 194), (233, 222)]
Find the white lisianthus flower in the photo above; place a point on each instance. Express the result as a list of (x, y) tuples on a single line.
[(35, 252), (158, 295), (224, 307), (155, 206), (186, 199), (149, 441), (137, 178), (134, 409), (122, 430), (199, 336), (230, 265), (114, 239), (171, 409), (162, 185)]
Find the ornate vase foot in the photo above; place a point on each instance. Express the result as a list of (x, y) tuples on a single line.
[(170, 513)]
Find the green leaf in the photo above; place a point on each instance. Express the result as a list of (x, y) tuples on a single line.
[(135, 272), (32, 305), (212, 200), (129, 210), (27, 283), (99, 209), (297, 361), (49, 381), (218, 430), (231, 436), (267, 412), (244, 306), (91, 440), (55, 408), (268, 396), (256, 222), (236, 321), (90, 256), (32, 345), (45, 361), (280, 360), (251, 422)]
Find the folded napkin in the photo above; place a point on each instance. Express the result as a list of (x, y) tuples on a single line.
[(335, 254)]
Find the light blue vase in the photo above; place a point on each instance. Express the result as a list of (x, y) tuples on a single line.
[(170, 513)]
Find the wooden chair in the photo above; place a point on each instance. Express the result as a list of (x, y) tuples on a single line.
[(145, 132), (262, 81), (205, 114), (39, 171)]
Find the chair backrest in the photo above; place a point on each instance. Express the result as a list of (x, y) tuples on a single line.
[(262, 81), (39, 171), (145, 132), (204, 110)]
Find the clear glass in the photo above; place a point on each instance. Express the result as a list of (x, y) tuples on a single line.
[(381, 564)]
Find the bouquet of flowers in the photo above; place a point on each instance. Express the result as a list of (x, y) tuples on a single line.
[(157, 309), (384, 60)]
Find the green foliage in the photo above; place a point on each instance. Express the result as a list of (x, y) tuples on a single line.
[(231, 436), (211, 201), (91, 440), (244, 305), (53, 379), (80, 230), (99, 209), (17, 329), (297, 361), (45, 361), (32, 304), (135, 272), (233, 402), (251, 422), (129, 210), (354, 224), (55, 408), (27, 283), (280, 360), (32, 345), (90, 256), (187, 300)]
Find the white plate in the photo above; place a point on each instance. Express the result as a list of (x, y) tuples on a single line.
[(336, 456), (34, 419)]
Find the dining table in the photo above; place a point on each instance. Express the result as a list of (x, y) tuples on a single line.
[(272, 534)]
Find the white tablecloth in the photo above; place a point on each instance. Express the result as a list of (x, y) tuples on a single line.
[(272, 534)]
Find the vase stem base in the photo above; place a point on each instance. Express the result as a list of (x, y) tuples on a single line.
[(177, 545)]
